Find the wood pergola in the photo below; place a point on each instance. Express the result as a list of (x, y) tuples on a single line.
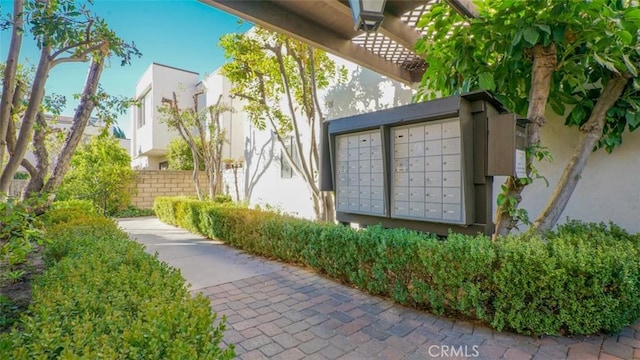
[(328, 25)]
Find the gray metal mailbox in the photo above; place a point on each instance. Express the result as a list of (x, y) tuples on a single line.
[(426, 166)]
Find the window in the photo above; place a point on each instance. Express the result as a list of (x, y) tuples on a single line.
[(164, 165), (286, 171), (145, 111)]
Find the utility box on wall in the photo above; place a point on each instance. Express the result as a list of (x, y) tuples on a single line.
[(425, 166)]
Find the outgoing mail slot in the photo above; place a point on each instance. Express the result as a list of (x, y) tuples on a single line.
[(363, 140), (401, 136)]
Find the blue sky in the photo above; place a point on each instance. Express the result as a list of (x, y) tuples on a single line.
[(179, 33)]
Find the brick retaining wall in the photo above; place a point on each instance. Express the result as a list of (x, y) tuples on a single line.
[(152, 183)]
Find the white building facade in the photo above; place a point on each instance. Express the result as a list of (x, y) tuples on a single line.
[(606, 192)]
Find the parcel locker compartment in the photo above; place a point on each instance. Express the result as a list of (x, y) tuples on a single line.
[(416, 164), (451, 212), (451, 146), (401, 179), (377, 193), (451, 195), (364, 167), (451, 163), (451, 179), (433, 178), (376, 153), (401, 151), (377, 179), (416, 209), (401, 208), (433, 211), (377, 207), (416, 193), (416, 149), (433, 131), (417, 179), (354, 154), (401, 194), (433, 147), (450, 129), (433, 163), (433, 194), (416, 133)]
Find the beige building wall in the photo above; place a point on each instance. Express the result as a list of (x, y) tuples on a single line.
[(153, 183), (608, 189)]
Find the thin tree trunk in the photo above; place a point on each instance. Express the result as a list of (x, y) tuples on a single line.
[(590, 133), (26, 130), (9, 79), (235, 180), (80, 121), (36, 182), (544, 63), (18, 97)]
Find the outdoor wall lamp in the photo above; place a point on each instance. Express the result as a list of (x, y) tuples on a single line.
[(367, 14)]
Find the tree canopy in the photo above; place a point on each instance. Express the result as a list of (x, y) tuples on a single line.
[(580, 58)]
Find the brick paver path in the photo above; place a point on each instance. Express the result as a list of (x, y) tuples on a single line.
[(277, 311), (296, 314)]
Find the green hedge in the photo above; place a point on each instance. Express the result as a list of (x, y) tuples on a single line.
[(584, 279), (102, 296)]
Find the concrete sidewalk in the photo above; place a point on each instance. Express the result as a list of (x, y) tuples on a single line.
[(278, 311)]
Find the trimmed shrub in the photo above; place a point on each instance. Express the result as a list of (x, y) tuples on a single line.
[(584, 279), (102, 296)]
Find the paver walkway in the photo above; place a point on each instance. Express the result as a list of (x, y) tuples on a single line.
[(277, 311)]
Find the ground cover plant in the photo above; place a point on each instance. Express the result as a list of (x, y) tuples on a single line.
[(583, 279), (103, 296)]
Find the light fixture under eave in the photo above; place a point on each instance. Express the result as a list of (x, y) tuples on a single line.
[(367, 14)]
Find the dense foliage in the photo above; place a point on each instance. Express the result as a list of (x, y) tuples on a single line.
[(584, 279), (580, 59), (100, 172), (103, 296)]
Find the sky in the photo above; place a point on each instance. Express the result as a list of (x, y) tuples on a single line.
[(178, 33)]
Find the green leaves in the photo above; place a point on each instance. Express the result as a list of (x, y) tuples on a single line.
[(103, 296), (531, 35), (486, 82)]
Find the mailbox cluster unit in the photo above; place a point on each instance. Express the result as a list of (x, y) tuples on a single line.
[(427, 166)]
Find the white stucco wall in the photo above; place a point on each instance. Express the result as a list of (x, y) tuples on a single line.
[(232, 121), (608, 189), (262, 151), (152, 138)]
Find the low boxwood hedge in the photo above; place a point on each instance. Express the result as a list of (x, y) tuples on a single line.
[(103, 296), (582, 279)]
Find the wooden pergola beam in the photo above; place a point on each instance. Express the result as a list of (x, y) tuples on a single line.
[(269, 15)]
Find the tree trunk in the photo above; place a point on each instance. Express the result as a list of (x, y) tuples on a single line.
[(544, 63), (26, 129), (235, 180), (80, 121), (36, 182), (590, 133), (9, 79), (18, 97), (329, 207)]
